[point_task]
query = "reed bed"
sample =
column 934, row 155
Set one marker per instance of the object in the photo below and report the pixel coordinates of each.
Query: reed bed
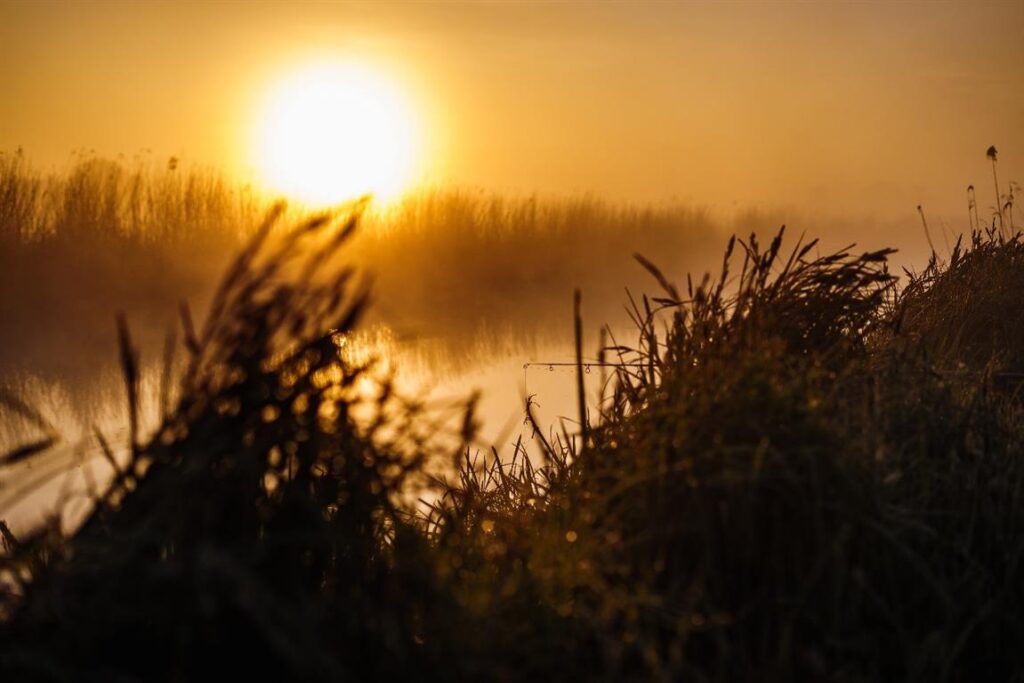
column 450, row 266
column 799, row 471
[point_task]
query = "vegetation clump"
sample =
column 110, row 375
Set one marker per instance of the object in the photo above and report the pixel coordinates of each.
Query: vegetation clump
column 800, row 471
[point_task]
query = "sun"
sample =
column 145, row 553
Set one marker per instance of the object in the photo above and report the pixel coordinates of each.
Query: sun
column 327, row 133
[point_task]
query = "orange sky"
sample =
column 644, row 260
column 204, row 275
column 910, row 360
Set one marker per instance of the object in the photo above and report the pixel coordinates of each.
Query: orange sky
column 861, row 107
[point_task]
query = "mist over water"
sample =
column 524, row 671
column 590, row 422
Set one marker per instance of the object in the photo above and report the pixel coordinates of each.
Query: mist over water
column 472, row 290
column 467, row 288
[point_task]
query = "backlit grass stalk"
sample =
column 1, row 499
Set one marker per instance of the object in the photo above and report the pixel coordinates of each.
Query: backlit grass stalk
column 992, row 154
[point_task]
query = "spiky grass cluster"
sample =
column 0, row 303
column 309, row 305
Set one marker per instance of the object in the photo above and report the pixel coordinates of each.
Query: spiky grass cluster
column 257, row 533
column 783, row 484
column 961, row 313
column 787, row 480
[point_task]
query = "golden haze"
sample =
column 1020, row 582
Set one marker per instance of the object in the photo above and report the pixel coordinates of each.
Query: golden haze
column 855, row 107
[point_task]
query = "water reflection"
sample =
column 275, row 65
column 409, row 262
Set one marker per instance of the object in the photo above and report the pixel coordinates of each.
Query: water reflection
column 503, row 367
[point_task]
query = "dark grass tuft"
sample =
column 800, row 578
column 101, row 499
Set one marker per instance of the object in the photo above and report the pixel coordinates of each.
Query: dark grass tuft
column 800, row 472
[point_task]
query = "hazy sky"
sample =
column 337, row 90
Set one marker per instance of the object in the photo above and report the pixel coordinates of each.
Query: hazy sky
column 863, row 107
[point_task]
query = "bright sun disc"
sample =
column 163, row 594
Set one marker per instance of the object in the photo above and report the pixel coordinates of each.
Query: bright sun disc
column 334, row 132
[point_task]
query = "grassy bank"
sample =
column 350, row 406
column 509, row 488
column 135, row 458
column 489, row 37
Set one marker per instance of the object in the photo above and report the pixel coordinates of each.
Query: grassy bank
column 800, row 471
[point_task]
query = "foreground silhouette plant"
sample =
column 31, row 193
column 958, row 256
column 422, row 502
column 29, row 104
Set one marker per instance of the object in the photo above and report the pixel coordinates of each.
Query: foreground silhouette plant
column 806, row 474
column 782, row 485
column 256, row 533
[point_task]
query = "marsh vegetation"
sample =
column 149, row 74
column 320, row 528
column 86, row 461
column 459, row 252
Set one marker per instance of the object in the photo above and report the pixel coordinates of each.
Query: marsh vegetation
column 800, row 467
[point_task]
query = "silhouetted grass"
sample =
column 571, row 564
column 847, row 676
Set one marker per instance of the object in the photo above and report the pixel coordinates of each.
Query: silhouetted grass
column 799, row 472
column 257, row 512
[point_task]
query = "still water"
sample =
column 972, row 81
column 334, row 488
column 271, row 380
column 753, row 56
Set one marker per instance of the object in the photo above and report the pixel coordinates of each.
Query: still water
column 501, row 369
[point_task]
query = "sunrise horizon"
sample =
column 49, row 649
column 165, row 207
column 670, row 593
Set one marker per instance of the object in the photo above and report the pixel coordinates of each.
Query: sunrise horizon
column 511, row 341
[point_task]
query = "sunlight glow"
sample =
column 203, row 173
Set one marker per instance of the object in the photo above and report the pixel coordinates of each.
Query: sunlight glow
column 331, row 132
